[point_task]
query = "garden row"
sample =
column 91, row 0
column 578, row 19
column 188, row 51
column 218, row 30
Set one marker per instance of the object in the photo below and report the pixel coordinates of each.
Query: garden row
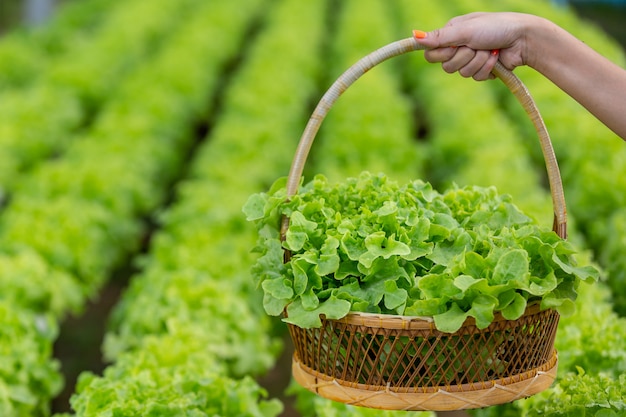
column 25, row 51
column 188, row 336
column 89, row 206
column 56, row 102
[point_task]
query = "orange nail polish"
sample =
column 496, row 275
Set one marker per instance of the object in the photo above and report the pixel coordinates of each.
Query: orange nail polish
column 419, row 34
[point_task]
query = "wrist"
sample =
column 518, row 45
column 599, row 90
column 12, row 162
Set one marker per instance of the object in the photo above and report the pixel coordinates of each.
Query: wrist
column 540, row 40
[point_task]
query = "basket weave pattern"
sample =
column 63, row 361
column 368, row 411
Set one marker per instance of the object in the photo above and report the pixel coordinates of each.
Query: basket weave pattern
column 409, row 355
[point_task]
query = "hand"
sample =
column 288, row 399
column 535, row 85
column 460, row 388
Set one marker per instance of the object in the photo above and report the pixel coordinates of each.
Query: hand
column 471, row 44
column 465, row 44
column 467, row 61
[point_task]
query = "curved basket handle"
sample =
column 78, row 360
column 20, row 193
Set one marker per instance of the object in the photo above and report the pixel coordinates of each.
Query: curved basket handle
column 403, row 46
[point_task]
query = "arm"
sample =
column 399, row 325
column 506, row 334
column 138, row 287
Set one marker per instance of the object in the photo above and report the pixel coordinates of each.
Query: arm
column 471, row 44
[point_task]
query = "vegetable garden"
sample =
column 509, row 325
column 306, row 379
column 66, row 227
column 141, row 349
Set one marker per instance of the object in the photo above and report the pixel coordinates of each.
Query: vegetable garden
column 132, row 134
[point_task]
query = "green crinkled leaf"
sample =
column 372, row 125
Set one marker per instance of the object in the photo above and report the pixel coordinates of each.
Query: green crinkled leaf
column 299, row 231
column 465, row 282
column 513, row 265
column 444, row 221
column 254, row 208
column 274, row 306
column 439, row 286
column 347, row 269
column 329, row 260
column 386, row 269
column 370, row 244
column 506, row 297
column 482, row 310
column 332, row 308
column 394, row 297
column 418, row 235
column 379, row 245
column 587, row 273
column 475, row 265
column 352, row 247
column 446, row 252
column 542, row 285
column 300, row 270
column 430, row 307
column 387, row 215
column 309, row 300
column 372, row 291
column 277, row 294
column 564, row 306
column 278, row 287
column 451, row 320
column 515, row 308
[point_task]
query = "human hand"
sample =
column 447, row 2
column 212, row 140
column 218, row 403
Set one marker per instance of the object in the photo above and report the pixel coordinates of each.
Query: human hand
column 472, row 44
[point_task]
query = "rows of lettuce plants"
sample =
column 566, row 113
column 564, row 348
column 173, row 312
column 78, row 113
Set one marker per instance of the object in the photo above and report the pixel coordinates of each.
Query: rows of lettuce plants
column 40, row 118
column 90, row 217
column 376, row 116
column 24, row 52
column 189, row 333
column 123, row 95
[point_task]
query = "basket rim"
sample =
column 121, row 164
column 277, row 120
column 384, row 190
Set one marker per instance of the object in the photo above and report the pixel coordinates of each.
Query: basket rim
column 394, row 321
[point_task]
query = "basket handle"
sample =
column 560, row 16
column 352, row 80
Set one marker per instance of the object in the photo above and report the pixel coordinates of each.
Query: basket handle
column 513, row 83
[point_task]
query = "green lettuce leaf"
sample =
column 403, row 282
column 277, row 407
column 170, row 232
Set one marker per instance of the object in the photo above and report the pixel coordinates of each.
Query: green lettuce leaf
column 370, row 244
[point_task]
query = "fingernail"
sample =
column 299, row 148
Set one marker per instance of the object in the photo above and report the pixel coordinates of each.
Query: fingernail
column 419, row 34
column 495, row 52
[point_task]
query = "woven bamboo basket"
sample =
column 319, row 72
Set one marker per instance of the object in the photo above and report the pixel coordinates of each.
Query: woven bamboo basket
column 404, row 363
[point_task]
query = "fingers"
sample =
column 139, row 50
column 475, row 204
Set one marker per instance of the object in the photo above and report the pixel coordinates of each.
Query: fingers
column 484, row 72
column 466, row 61
column 440, row 54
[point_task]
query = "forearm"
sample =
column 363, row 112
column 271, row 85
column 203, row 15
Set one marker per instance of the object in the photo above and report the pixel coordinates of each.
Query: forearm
column 594, row 81
column 465, row 43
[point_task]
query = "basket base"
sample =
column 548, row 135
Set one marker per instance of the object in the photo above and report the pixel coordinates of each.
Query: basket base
column 436, row 399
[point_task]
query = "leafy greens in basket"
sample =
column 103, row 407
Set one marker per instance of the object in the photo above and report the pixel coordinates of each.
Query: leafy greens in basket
column 368, row 244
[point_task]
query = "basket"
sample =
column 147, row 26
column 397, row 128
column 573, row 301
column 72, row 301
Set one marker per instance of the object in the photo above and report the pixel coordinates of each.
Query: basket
column 404, row 363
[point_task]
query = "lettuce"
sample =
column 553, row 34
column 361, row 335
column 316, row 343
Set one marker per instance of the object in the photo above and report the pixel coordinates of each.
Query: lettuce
column 575, row 394
column 29, row 379
column 170, row 376
column 369, row 244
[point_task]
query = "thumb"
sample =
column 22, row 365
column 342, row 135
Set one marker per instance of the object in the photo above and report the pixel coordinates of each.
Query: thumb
column 437, row 38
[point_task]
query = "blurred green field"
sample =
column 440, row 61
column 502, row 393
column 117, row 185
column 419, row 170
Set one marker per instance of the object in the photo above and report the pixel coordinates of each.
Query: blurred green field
column 132, row 132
